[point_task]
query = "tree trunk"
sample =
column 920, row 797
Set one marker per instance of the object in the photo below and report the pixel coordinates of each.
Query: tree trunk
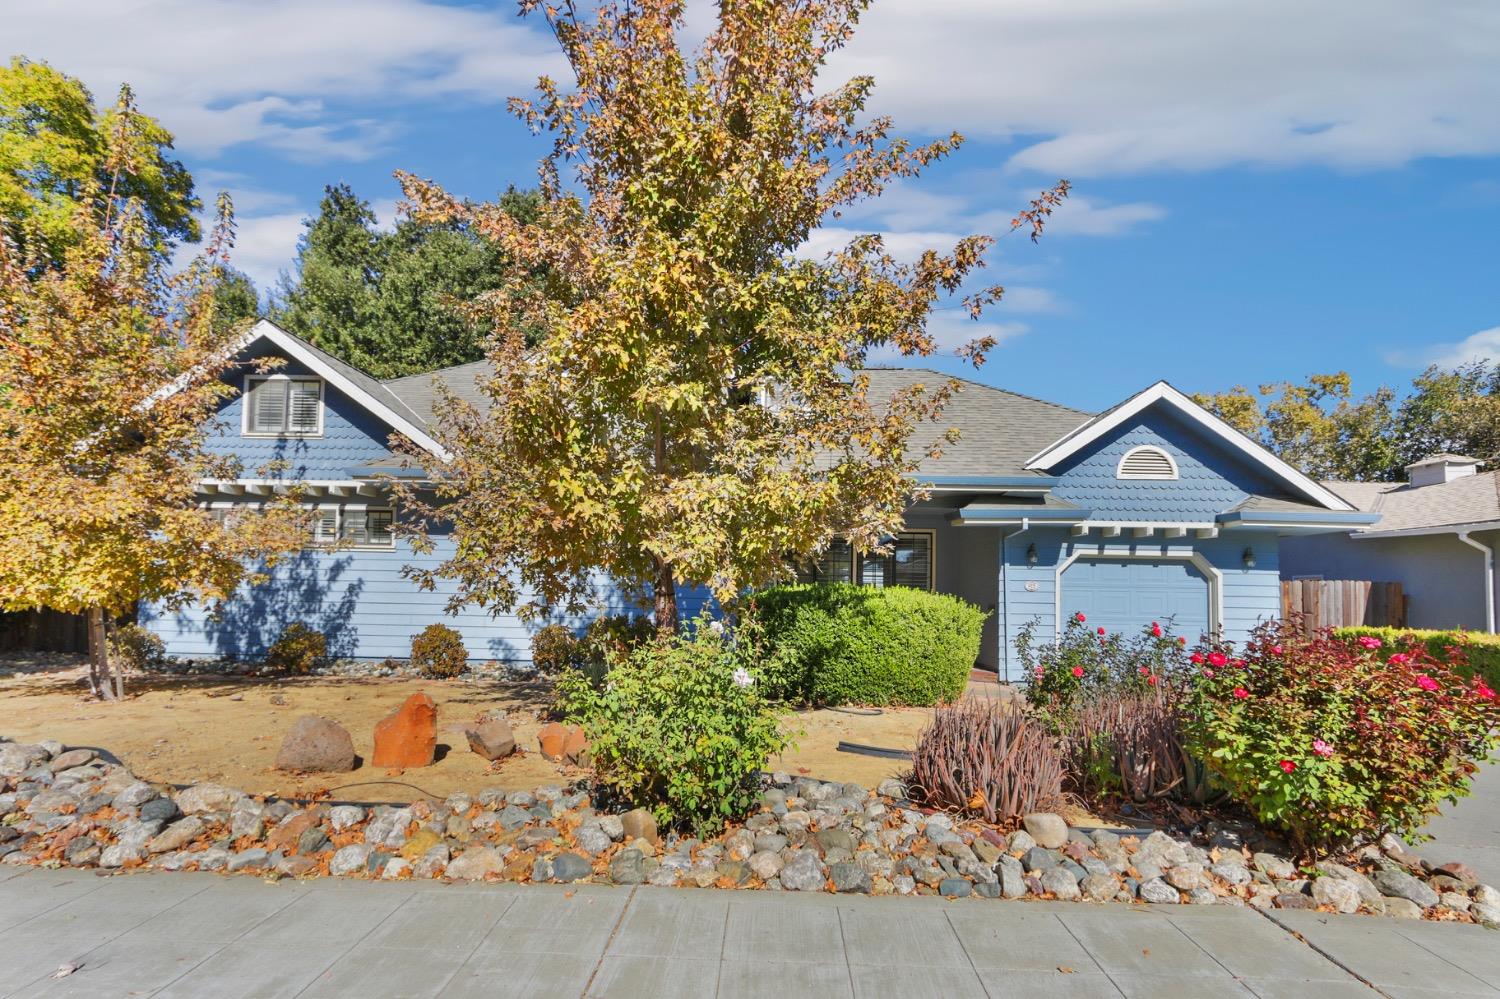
column 665, row 594
column 99, row 681
column 114, row 668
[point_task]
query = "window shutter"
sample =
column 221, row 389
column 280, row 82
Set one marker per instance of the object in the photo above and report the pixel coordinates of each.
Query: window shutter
column 268, row 406
column 1146, row 462
column 326, row 527
column 306, row 401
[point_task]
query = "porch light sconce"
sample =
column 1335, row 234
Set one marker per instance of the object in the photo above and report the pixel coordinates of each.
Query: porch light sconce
column 1031, row 554
column 1248, row 558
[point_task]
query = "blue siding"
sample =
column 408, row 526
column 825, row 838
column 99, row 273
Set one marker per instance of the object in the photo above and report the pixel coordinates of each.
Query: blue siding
column 1210, row 479
column 351, row 436
column 364, row 605
column 1249, row 596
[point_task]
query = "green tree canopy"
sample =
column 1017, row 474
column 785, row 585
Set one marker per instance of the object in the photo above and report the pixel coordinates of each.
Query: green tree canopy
column 58, row 151
column 393, row 303
column 694, row 409
column 1320, row 427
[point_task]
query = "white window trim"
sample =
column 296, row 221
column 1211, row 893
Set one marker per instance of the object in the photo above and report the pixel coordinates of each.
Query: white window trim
column 251, row 380
column 339, row 542
column 1153, row 449
column 1210, row 572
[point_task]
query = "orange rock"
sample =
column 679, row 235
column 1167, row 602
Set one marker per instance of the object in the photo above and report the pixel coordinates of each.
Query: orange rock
column 408, row 736
column 552, row 737
column 576, row 748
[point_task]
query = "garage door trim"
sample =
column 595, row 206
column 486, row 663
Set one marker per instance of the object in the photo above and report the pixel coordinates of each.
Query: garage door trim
column 1213, row 575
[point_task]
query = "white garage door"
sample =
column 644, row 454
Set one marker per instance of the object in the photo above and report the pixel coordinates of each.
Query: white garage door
column 1128, row 594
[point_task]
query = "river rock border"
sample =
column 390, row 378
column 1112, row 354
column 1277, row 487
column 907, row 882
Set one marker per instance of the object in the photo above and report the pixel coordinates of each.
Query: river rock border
column 72, row 807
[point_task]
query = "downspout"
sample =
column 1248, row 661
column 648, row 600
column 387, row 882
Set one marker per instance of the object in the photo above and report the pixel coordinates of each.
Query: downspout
column 1489, row 579
column 1005, row 595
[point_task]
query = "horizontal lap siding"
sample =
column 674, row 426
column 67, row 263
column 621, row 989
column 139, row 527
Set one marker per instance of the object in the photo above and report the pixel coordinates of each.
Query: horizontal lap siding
column 365, row 606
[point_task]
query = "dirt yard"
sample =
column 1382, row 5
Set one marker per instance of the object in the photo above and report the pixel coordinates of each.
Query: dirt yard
column 228, row 730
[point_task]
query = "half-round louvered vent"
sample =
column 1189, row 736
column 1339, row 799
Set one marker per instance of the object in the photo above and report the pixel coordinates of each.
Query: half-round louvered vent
column 1146, row 462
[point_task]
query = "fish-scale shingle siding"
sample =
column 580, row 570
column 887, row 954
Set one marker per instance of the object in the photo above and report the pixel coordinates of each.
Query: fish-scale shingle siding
column 351, row 435
column 1210, row 481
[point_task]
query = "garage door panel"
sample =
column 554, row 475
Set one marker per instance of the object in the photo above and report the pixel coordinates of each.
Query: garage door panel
column 1128, row 594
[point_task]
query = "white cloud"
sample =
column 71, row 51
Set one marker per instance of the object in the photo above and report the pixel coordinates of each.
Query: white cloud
column 265, row 245
column 1481, row 346
column 950, row 329
column 223, row 72
column 1082, row 217
column 1097, row 87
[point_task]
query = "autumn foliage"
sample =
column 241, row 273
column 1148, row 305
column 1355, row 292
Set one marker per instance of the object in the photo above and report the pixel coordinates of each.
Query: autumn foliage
column 695, row 409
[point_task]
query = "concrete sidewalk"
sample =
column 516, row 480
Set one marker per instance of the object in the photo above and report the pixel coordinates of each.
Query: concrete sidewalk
column 201, row 935
column 1470, row 831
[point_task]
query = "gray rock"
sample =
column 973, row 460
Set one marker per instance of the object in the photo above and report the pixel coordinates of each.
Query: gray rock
column 431, row 863
column 1368, row 893
column 1185, row 877
column 1047, row 828
column 1230, row 872
column 1100, row 887
column 1487, row 895
column 388, row 828
column 1277, row 867
column 350, row 860
column 491, row 738
column 955, row 888
column 1342, row 895
column 1402, row 908
column 766, row 864
column 316, row 745
column 1486, row 914
column 474, row 863
column 313, row 840
column 249, row 859
column 638, row 823
column 209, row 798
column 1059, row 881
column 592, row 840
column 612, row 826
column 1159, row 892
column 1012, row 877
column 628, row 867
column 514, row 817
column 177, row 835
column 571, row 867
column 1040, row 859
column 802, row 872
column 1161, row 850
column 133, row 796
column 160, row 810
column 1020, row 842
column 1399, row 884
column 837, row 839
column 891, row 788
column 1202, row 896
column 247, row 819
column 849, row 877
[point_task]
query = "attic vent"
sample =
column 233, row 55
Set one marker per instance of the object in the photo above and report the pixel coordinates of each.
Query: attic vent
column 1146, row 462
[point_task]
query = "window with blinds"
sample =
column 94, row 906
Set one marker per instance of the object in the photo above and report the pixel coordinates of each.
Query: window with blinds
column 277, row 405
column 909, row 563
column 353, row 527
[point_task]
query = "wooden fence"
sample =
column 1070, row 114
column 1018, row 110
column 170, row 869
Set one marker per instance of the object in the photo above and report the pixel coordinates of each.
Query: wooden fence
column 43, row 631
column 1342, row 603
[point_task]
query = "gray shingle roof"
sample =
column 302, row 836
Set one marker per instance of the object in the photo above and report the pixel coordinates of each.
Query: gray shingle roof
column 1473, row 499
column 370, row 385
column 1000, row 429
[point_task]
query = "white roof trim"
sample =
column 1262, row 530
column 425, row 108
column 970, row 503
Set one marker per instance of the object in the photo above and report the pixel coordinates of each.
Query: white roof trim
column 1416, row 532
column 314, row 361
column 1077, row 439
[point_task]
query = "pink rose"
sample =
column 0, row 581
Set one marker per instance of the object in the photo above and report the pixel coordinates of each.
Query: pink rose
column 1322, row 748
column 1398, row 659
column 1482, row 689
column 1426, row 682
column 1240, row 693
column 1208, row 672
column 1078, row 671
column 1275, row 650
column 1370, row 641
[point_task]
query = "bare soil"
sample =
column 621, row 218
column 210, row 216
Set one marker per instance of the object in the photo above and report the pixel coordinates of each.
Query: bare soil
column 183, row 730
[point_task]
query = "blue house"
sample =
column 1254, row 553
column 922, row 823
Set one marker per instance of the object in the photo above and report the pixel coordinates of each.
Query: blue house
column 1152, row 510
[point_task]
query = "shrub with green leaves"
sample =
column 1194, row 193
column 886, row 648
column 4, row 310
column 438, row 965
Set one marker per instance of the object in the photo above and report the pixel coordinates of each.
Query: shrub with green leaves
column 137, row 649
column 438, row 651
column 1472, row 653
column 1334, row 742
column 681, row 727
column 553, row 649
column 299, row 649
column 1087, row 659
column 838, row 643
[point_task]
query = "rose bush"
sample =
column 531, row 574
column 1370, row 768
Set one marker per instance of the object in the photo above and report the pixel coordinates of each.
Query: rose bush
column 1333, row 742
column 1085, row 660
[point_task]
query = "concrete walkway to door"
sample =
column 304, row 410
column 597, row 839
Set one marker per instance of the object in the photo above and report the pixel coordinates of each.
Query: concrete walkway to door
column 202, row 935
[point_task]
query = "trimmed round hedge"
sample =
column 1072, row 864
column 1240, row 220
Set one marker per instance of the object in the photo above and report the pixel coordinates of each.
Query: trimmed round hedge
column 838, row 643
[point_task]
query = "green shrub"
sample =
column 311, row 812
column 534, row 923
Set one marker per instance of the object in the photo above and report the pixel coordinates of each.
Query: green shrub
column 299, row 649
column 989, row 760
column 837, row 643
column 438, row 651
column 553, row 649
column 136, row 649
column 1480, row 651
column 1333, row 741
column 681, row 727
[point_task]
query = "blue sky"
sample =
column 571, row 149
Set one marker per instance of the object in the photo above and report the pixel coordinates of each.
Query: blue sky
column 1260, row 190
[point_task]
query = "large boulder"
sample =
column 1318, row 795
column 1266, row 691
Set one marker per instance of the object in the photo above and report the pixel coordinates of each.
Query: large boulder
column 491, row 737
column 408, row 736
column 316, row 745
column 564, row 744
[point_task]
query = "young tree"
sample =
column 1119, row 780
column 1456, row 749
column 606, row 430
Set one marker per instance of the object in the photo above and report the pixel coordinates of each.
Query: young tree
column 695, row 410
column 392, row 303
column 1457, row 411
column 110, row 370
column 55, row 147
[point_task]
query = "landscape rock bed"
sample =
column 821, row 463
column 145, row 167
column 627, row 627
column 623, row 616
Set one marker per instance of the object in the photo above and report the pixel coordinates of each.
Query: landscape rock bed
column 71, row 807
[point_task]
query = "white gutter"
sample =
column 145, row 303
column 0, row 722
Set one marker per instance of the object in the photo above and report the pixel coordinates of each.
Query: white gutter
column 1489, row 579
column 1417, row 532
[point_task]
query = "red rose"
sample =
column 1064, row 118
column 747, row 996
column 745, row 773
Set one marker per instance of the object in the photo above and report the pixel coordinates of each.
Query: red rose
column 1155, row 630
column 1196, row 658
column 1101, row 629
column 1240, row 693
column 1078, row 671
column 1287, row 765
column 1079, row 617
column 1217, row 659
